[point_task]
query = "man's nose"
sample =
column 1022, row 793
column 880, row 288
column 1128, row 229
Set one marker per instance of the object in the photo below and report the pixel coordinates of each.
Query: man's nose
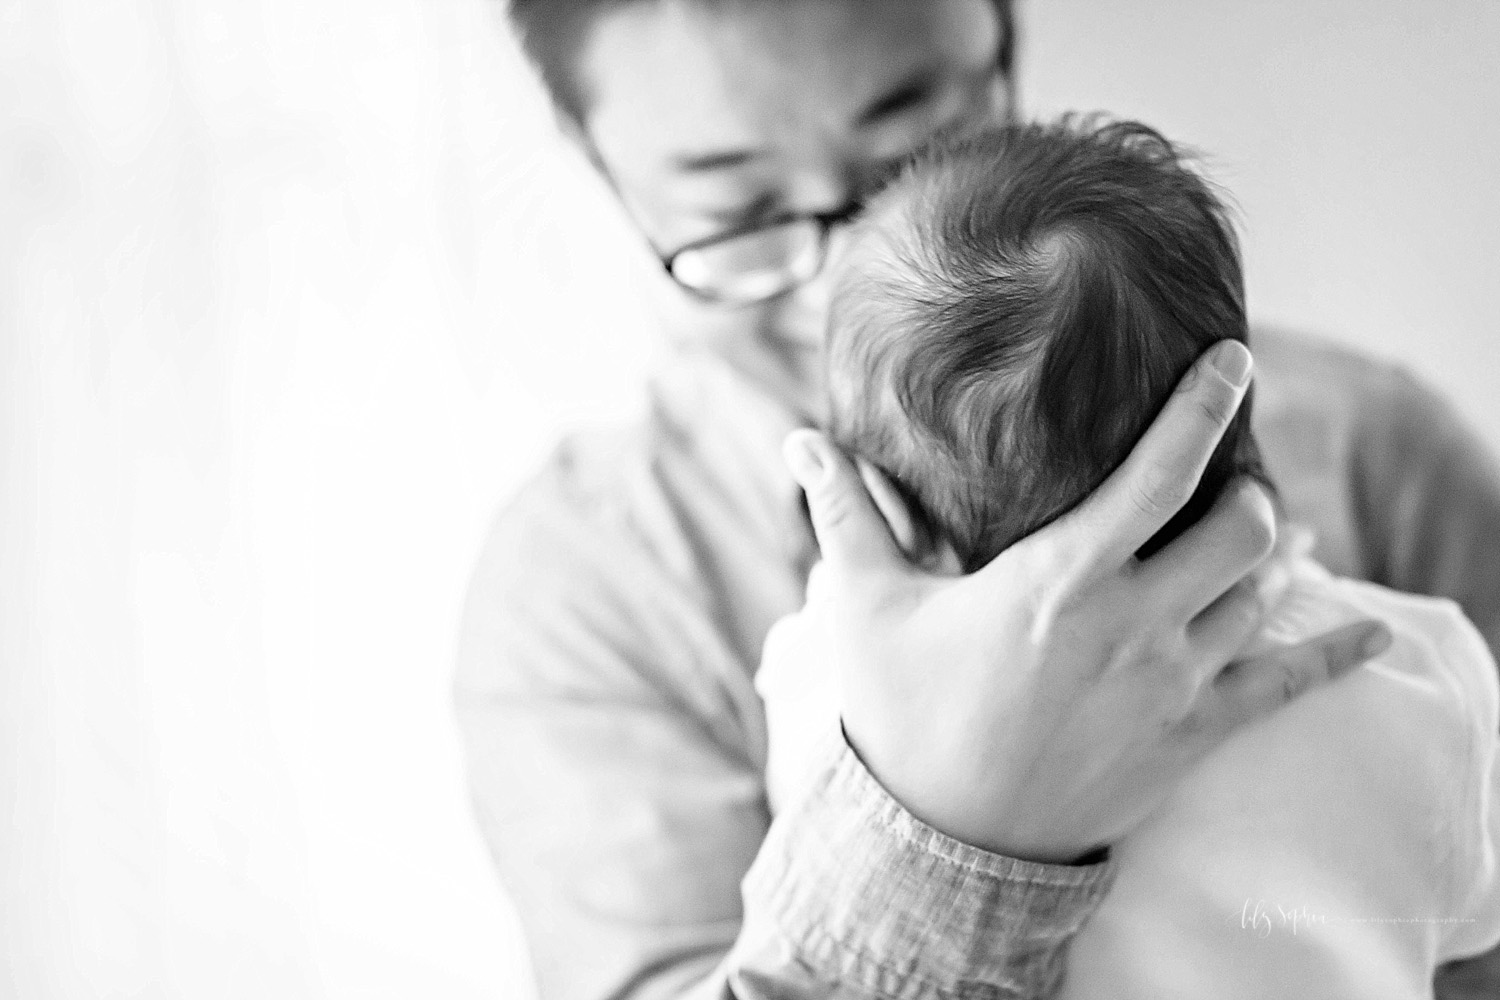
column 832, row 189
column 805, row 314
column 823, row 187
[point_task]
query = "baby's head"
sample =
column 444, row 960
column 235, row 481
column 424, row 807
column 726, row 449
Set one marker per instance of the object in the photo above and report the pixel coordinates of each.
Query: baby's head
column 1015, row 310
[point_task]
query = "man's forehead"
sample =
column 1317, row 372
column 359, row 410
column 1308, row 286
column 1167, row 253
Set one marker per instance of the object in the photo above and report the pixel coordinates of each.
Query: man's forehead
column 672, row 80
column 656, row 84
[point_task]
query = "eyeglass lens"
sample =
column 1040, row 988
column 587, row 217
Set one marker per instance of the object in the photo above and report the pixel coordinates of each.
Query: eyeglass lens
column 754, row 265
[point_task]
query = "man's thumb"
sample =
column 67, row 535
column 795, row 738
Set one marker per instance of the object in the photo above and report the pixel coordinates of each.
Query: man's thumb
column 851, row 533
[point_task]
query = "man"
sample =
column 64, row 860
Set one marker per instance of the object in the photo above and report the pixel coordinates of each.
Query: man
column 615, row 741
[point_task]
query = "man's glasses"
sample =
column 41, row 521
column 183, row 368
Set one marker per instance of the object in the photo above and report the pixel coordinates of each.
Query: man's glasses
column 755, row 263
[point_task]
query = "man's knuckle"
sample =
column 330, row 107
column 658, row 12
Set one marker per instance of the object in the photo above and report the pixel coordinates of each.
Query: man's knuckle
column 1333, row 656
column 1195, row 723
column 1164, row 661
column 1144, row 502
column 1160, row 492
column 1181, row 695
column 1154, row 649
column 1217, row 408
column 1190, row 379
column 1186, row 683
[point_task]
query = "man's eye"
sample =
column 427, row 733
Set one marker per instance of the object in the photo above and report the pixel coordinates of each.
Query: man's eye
column 738, row 215
column 903, row 101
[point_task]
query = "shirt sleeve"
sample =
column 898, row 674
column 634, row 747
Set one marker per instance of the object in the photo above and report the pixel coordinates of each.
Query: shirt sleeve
column 1426, row 497
column 866, row 896
column 624, row 813
column 1475, row 863
column 1474, row 889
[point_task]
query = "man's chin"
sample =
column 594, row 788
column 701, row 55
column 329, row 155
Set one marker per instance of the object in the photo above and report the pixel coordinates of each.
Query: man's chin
column 779, row 347
column 791, row 371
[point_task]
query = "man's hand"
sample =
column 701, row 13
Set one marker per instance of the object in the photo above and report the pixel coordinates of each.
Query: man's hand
column 1042, row 706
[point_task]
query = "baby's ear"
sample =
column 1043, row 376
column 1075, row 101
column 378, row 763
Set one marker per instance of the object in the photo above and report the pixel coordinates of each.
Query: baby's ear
column 892, row 507
column 910, row 530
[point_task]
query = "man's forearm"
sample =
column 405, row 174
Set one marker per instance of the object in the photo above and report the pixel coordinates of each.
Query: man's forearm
column 852, row 896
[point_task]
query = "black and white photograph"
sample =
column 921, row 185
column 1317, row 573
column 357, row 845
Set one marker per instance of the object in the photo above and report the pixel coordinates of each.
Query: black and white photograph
column 749, row 499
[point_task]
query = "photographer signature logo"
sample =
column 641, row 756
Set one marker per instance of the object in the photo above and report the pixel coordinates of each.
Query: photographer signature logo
column 1263, row 918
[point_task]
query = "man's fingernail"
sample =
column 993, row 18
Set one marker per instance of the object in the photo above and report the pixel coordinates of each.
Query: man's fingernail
column 804, row 460
column 1232, row 360
column 1376, row 641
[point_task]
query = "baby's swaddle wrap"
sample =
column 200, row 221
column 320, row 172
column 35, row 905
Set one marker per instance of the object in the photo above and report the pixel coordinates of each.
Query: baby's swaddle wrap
column 1344, row 846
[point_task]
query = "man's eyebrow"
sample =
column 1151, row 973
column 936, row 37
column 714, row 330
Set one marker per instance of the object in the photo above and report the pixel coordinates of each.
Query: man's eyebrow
column 695, row 163
column 911, row 91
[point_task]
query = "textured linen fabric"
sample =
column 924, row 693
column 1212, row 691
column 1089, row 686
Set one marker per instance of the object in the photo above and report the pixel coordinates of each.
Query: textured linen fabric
column 616, row 745
column 1344, row 847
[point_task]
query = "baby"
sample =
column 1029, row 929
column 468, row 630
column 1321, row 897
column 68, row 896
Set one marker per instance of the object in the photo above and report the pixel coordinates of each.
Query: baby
column 1011, row 315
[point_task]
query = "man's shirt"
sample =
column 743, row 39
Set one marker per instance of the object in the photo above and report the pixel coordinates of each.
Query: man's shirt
column 616, row 746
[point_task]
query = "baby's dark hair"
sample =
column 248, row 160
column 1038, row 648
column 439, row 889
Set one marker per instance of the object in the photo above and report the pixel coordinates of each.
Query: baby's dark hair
column 1016, row 309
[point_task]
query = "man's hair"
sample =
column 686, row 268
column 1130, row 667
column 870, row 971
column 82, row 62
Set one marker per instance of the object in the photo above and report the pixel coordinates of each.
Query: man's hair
column 554, row 32
column 1016, row 309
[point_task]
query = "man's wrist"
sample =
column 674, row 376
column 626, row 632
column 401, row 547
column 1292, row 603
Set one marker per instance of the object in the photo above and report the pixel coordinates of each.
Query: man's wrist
column 864, row 890
column 974, row 831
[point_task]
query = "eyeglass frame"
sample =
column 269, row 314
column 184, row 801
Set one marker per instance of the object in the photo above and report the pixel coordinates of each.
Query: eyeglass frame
column 826, row 221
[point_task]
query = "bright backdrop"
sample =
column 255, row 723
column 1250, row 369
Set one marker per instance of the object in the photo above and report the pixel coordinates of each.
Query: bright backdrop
column 293, row 292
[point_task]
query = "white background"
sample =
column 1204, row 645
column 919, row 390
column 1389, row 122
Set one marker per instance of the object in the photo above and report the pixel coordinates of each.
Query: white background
column 292, row 292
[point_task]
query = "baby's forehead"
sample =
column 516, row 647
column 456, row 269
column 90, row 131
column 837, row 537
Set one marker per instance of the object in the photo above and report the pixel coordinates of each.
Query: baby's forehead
column 895, row 209
column 881, row 279
column 882, row 240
